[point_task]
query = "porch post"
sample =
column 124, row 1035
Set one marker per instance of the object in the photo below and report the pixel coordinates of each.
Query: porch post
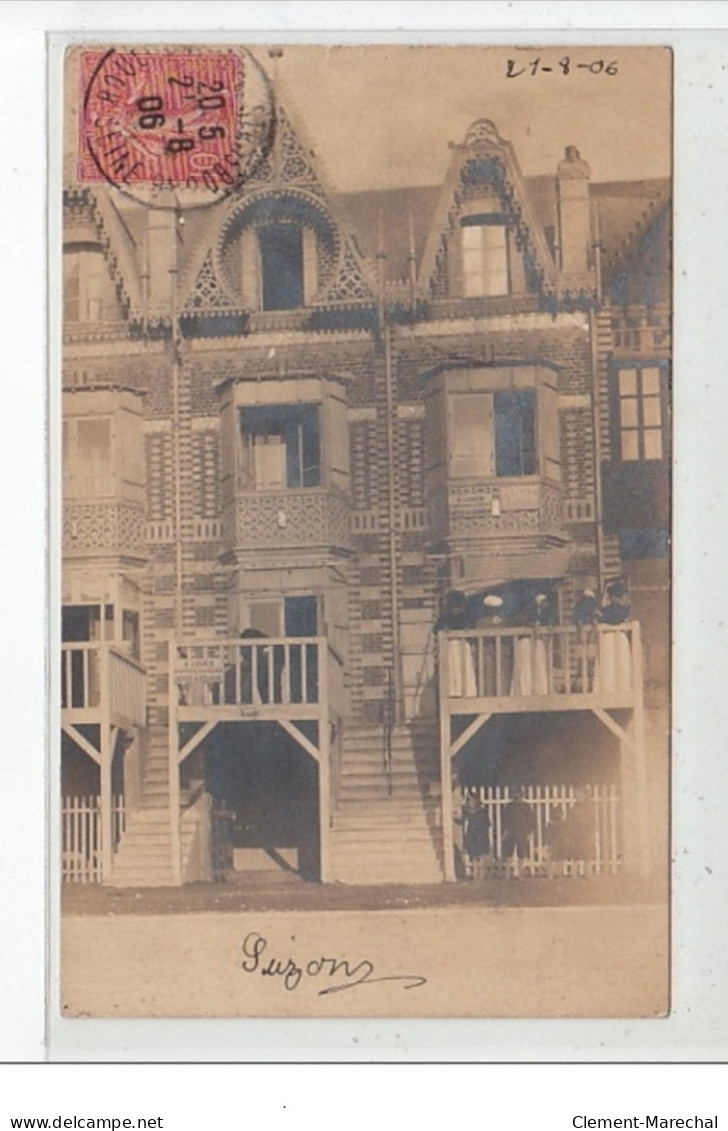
column 640, row 756
column 173, row 750
column 445, row 759
column 106, row 753
column 324, row 775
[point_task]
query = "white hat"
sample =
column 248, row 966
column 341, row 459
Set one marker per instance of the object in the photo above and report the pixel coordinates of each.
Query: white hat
column 492, row 601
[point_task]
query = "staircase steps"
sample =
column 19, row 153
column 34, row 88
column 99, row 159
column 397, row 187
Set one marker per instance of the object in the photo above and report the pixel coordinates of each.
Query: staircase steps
column 386, row 826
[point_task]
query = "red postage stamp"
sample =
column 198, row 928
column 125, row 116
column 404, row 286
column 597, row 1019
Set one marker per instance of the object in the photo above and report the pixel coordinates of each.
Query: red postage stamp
column 163, row 118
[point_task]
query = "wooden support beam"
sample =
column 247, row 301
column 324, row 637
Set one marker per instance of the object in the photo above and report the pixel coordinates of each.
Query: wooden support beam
column 468, row 733
column 82, row 741
column 324, row 765
column 638, row 724
column 622, row 734
column 448, row 846
column 291, row 728
column 198, row 737
column 107, row 752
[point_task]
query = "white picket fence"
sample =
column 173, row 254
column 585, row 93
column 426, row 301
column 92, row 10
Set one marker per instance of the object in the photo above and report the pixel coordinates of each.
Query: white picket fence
column 546, row 801
column 81, row 837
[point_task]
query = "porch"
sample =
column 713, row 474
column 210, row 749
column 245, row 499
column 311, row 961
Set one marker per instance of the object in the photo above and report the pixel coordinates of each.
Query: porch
column 294, row 682
column 498, row 670
column 103, row 711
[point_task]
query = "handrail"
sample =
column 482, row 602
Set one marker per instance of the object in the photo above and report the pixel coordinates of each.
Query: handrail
column 248, row 671
column 93, row 671
column 388, row 719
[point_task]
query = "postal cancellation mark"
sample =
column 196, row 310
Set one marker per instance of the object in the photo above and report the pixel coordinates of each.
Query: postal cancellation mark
column 171, row 119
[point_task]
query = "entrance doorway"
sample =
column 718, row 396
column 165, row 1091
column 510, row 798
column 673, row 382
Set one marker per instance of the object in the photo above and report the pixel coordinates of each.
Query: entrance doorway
column 264, row 790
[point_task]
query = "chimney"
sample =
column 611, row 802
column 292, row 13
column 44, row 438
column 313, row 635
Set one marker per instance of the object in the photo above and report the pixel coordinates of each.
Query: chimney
column 572, row 180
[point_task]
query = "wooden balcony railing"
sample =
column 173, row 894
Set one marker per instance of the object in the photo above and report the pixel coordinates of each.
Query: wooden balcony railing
column 96, row 673
column 540, row 663
column 270, row 671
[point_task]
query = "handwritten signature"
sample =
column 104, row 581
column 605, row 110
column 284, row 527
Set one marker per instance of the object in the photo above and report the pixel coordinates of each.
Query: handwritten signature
column 293, row 973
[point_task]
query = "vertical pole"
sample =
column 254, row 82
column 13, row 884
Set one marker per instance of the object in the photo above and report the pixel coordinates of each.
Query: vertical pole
column 445, row 760
column 106, row 753
column 324, row 774
column 173, row 753
column 640, row 754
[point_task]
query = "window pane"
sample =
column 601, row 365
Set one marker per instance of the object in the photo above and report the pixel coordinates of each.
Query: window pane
column 285, row 443
column 651, row 412
column 630, row 445
column 627, row 383
column 281, row 254
column 650, row 382
column 515, row 432
column 495, row 260
column 628, row 412
column 310, row 449
column 653, row 443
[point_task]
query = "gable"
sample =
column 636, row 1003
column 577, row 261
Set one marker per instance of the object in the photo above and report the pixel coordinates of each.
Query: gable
column 224, row 271
column 484, row 170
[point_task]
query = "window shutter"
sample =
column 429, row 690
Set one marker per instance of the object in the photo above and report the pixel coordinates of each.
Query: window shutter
column 250, row 269
column 456, row 280
column 335, row 442
column 470, row 420
column 549, row 434
column 310, row 266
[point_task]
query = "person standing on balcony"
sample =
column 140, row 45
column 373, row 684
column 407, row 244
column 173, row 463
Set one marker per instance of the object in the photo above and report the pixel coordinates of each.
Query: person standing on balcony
column 518, row 824
column 530, row 660
column 456, row 617
column 586, row 615
column 614, row 667
column 492, row 657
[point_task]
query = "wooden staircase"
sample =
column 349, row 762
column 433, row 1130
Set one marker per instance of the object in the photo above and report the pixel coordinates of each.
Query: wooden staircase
column 144, row 854
column 387, row 825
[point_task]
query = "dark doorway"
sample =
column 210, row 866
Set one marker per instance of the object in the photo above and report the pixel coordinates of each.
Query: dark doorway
column 265, row 787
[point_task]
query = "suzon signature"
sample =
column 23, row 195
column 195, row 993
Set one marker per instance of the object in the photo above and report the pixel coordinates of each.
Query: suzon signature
column 293, row 973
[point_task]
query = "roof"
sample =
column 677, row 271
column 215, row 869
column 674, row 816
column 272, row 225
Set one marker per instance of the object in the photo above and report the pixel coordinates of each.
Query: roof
column 389, row 220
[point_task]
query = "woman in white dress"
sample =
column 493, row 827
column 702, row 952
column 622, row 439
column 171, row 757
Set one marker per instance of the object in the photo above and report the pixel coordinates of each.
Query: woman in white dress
column 614, row 665
column 454, row 618
column 530, row 661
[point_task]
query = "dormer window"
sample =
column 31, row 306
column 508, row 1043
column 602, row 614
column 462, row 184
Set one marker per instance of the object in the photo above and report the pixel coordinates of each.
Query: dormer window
column 281, row 266
column 88, row 292
column 484, row 250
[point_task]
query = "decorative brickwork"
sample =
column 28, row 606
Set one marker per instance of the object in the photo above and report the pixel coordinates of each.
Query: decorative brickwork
column 103, row 528
column 287, row 519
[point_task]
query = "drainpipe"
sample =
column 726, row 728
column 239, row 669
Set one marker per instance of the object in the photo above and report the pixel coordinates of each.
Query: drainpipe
column 176, row 446
column 391, row 484
column 596, row 415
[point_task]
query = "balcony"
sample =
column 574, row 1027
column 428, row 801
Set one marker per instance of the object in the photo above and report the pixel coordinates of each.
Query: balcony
column 503, row 507
column 99, row 682
column 561, row 668
column 271, row 678
column 266, row 520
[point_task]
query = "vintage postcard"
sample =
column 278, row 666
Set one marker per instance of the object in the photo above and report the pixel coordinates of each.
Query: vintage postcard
column 365, row 658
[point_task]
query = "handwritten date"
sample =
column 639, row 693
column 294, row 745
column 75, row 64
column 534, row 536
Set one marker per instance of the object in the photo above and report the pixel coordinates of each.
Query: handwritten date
column 563, row 66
